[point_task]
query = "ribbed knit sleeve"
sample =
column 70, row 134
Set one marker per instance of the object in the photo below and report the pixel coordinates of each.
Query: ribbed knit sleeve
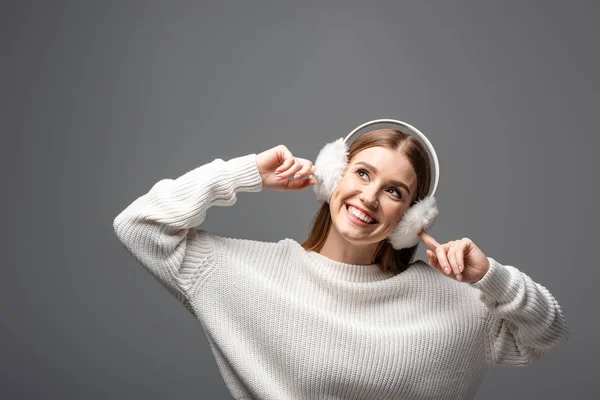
column 527, row 321
column 156, row 227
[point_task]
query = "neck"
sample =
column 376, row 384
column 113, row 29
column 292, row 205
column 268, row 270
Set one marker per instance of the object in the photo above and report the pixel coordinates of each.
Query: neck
column 339, row 249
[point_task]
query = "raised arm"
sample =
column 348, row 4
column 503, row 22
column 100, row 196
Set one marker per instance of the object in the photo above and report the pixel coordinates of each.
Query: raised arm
column 156, row 227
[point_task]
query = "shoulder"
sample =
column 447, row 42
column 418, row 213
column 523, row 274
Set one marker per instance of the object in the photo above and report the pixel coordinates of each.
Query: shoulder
column 242, row 248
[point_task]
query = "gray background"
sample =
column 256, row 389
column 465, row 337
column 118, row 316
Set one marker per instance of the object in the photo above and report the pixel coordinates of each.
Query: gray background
column 100, row 100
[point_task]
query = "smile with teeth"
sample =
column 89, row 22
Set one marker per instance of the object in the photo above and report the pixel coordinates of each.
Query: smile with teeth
column 360, row 215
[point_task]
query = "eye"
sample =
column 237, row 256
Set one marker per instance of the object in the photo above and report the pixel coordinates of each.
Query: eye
column 397, row 191
column 363, row 171
column 359, row 171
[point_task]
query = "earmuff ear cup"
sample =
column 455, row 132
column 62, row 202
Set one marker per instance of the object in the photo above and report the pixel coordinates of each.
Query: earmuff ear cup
column 419, row 216
column 331, row 164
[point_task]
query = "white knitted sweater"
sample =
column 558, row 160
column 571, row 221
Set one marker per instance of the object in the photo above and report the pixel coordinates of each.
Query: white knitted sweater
column 284, row 323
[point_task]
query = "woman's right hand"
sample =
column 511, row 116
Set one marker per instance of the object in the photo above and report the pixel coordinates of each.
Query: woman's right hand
column 279, row 162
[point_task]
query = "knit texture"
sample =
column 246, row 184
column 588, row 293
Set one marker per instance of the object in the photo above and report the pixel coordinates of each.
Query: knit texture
column 285, row 323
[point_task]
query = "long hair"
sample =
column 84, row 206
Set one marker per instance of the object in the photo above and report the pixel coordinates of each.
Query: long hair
column 386, row 257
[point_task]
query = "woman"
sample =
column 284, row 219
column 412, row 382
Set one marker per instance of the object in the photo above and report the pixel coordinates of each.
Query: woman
column 343, row 315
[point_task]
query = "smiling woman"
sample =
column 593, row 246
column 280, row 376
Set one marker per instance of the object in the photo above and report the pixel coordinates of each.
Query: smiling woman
column 347, row 314
column 381, row 182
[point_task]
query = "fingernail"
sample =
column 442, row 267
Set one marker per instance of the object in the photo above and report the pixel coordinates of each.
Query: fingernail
column 459, row 277
column 298, row 175
column 447, row 270
column 278, row 178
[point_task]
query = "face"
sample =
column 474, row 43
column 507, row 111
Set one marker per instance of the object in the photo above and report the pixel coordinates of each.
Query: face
column 380, row 183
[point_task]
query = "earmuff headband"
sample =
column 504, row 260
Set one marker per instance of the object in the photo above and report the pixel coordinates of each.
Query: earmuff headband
column 412, row 129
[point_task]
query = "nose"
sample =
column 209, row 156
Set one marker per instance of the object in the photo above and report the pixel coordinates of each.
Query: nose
column 369, row 197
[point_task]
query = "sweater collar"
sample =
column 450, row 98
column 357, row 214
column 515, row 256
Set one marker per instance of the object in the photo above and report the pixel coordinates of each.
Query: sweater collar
column 348, row 272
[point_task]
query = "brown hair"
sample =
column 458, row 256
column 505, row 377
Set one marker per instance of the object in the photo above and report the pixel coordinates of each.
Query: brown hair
column 388, row 258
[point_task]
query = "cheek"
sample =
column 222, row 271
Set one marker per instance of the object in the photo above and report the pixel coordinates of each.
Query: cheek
column 333, row 198
column 338, row 192
column 334, row 201
column 339, row 195
column 395, row 214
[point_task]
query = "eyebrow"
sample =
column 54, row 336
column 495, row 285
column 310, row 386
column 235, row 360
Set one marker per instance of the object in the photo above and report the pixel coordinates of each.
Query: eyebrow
column 372, row 168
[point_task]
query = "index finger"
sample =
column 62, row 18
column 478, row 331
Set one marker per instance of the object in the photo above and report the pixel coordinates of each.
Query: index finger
column 428, row 240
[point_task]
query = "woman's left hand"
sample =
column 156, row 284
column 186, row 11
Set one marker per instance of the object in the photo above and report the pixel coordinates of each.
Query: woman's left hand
column 460, row 259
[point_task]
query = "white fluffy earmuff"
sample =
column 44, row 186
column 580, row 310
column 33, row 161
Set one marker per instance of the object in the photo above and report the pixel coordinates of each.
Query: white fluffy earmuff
column 332, row 162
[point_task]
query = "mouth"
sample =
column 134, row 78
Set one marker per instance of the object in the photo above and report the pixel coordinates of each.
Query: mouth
column 362, row 220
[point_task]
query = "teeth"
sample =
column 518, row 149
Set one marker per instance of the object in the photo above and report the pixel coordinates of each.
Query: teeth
column 358, row 214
